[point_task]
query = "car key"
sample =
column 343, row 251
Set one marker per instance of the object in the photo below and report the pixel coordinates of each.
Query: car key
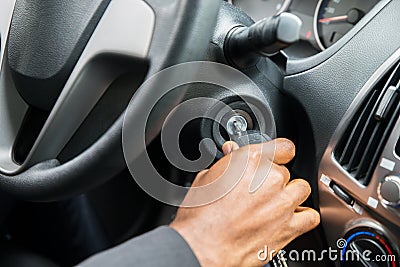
column 237, row 130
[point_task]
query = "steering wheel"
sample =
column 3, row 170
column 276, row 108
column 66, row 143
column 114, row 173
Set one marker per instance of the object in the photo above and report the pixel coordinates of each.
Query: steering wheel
column 76, row 50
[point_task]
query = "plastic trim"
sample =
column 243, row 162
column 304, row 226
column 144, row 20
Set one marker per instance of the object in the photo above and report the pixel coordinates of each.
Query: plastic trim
column 126, row 28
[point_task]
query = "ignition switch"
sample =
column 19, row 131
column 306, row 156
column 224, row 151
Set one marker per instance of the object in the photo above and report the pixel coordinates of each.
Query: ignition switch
column 237, row 130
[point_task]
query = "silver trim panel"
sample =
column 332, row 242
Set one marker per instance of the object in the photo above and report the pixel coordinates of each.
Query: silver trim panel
column 331, row 168
column 126, row 28
column 6, row 11
column 12, row 107
column 330, row 205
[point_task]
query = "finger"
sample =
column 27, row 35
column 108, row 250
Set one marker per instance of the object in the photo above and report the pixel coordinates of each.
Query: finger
column 201, row 174
column 305, row 220
column 264, row 178
column 285, row 174
column 298, row 190
column 199, row 180
column 300, row 209
column 285, row 151
column 280, row 151
column 229, row 147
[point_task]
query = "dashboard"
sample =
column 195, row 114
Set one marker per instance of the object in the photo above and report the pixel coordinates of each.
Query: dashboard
column 356, row 61
column 324, row 21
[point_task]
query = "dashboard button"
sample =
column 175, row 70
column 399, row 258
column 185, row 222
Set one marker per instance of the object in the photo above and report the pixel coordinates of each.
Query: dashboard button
column 342, row 194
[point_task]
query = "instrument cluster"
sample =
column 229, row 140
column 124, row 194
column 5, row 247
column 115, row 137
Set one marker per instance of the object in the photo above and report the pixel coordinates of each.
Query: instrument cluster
column 324, row 21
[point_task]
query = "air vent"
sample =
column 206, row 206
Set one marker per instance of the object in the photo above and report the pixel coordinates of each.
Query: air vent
column 362, row 143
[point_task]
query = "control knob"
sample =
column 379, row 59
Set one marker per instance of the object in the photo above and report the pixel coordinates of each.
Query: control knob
column 389, row 191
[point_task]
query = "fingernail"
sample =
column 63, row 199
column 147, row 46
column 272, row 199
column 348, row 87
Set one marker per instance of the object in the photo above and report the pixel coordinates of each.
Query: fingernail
column 227, row 149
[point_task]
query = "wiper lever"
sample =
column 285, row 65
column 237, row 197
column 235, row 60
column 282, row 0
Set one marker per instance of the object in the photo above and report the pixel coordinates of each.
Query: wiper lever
column 245, row 45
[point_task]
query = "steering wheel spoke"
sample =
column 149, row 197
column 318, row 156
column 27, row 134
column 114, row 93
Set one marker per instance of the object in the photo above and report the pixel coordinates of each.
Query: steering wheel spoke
column 122, row 36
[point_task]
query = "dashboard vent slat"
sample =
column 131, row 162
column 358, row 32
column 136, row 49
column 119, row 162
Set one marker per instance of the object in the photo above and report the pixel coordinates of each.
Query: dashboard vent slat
column 385, row 136
column 356, row 131
column 363, row 141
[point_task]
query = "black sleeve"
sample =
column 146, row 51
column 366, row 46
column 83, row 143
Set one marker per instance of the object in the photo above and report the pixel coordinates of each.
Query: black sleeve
column 160, row 247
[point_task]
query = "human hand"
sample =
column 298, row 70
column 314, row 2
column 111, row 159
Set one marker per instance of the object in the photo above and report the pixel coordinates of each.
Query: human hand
column 231, row 230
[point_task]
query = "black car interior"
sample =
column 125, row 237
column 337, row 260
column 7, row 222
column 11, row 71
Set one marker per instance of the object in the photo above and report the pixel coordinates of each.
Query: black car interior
column 328, row 70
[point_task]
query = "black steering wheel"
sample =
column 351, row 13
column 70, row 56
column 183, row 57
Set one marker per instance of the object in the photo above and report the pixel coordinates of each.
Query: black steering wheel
column 57, row 60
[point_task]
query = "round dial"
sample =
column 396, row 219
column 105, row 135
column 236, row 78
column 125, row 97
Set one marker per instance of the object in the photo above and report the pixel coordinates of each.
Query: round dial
column 259, row 9
column 389, row 191
column 334, row 18
column 364, row 246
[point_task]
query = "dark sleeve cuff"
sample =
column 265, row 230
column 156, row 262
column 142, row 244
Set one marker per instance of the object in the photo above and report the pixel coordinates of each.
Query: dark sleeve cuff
column 160, row 247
